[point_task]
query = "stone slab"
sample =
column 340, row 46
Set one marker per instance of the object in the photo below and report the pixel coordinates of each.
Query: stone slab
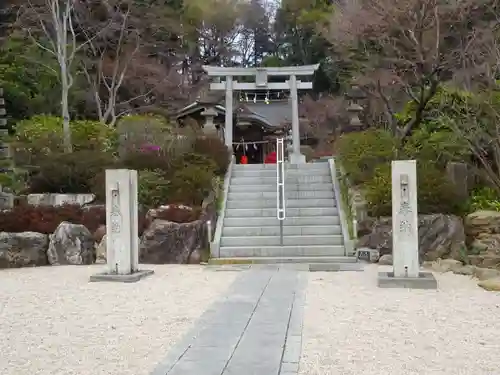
column 249, row 331
column 336, row 267
column 132, row 278
column 426, row 280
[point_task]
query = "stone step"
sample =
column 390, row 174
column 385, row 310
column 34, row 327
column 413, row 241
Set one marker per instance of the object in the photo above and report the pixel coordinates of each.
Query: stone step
column 290, row 221
column 293, row 173
column 281, row 251
column 306, row 166
column 272, row 187
column 289, row 180
column 289, row 203
column 270, row 212
column 288, row 230
column 301, row 240
column 319, row 194
column 348, row 262
column 336, row 267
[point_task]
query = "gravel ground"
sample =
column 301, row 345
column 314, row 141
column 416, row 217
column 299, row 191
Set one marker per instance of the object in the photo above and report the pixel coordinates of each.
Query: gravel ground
column 353, row 327
column 54, row 322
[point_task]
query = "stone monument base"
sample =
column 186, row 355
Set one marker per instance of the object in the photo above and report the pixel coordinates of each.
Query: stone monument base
column 297, row 158
column 425, row 280
column 130, row 278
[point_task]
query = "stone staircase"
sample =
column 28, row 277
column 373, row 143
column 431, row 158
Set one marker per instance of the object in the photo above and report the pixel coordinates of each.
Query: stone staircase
column 312, row 230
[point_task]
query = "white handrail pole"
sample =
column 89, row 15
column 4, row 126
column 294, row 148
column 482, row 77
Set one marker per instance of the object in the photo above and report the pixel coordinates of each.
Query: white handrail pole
column 280, row 184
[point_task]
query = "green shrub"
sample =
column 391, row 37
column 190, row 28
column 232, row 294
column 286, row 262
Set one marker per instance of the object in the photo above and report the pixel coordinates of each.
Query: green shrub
column 485, row 198
column 214, row 148
column 72, row 173
column 153, row 189
column 42, row 134
column 136, row 130
column 13, row 181
column 190, row 185
column 361, row 152
column 148, row 160
column 440, row 147
column 198, row 160
column 435, row 192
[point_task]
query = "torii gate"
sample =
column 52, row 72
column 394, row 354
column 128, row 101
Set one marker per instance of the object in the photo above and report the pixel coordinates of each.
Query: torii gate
column 261, row 83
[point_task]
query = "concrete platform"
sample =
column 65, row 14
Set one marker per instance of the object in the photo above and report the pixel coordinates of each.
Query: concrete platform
column 132, row 278
column 426, row 280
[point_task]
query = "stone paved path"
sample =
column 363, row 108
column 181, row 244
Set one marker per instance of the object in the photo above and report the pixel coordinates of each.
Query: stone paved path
column 255, row 330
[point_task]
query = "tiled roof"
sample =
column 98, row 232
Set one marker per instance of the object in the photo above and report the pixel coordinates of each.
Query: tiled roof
column 276, row 113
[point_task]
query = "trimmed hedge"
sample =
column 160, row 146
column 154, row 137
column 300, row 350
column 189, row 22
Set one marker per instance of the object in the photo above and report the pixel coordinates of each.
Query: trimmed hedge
column 366, row 157
column 361, row 152
column 435, row 192
column 45, row 219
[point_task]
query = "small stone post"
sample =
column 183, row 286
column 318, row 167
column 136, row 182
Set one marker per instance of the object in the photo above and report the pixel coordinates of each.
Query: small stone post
column 458, row 174
column 4, row 148
column 122, row 242
column 406, row 270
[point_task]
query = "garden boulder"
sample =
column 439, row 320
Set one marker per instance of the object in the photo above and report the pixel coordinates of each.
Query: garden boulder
column 482, row 222
column 71, row 244
column 23, row 249
column 169, row 242
column 482, row 229
column 101, row 251
column 440, row 236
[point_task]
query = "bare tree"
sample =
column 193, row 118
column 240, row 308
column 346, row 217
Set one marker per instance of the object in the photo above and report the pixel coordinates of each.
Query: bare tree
column 325, row 118
column 402, row 46
column 49, row 24
column 107, row 65
column 126, row 65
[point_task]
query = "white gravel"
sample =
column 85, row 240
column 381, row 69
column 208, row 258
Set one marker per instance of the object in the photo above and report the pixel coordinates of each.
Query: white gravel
column 54, row 322
column 353, row 327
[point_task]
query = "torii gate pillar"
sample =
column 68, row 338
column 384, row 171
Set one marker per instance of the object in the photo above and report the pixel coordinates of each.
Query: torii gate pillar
column 261, row 83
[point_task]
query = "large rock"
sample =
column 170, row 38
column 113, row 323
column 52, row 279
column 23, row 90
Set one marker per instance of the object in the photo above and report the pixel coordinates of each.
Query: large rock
column 491, row 285
column 71, row 244
column 483, row 236
column 485, row 273
column 23, row 249
column 386, row 260
column 168, row 242
column 444, row 265
column 101, row 251
column 482, row 222
column 440, row 236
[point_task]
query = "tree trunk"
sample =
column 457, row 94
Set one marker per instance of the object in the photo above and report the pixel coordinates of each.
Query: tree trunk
column 68, row 147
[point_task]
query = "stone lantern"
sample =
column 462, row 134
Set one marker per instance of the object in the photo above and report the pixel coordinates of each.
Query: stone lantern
column 209, row 126
column 355, row 96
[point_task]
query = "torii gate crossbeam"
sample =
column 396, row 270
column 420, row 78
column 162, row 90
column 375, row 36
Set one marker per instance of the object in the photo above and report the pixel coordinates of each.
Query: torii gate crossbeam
column 261, row 83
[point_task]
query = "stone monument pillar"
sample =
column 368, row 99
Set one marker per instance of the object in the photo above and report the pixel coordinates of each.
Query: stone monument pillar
column 122, row 241
column 406, row 267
